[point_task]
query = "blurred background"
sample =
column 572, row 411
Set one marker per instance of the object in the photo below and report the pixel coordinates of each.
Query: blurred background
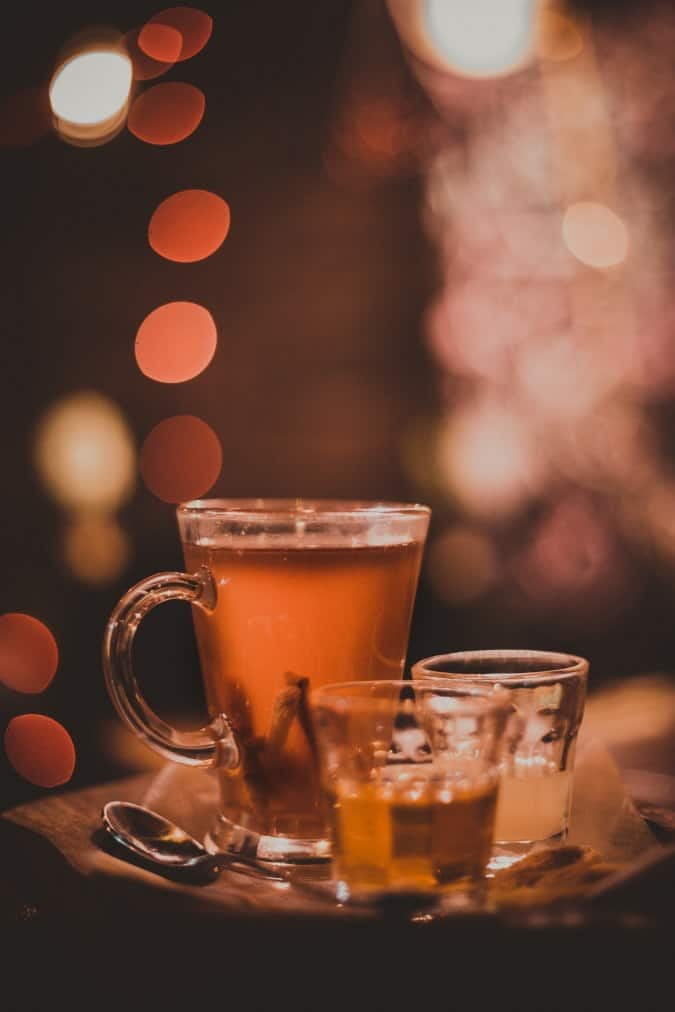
column 434, row 263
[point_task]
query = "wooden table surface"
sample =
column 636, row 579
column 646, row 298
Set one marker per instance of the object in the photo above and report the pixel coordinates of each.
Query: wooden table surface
column 68, row 903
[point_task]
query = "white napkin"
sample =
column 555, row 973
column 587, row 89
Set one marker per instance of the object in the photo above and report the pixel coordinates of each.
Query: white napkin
column 603, row 815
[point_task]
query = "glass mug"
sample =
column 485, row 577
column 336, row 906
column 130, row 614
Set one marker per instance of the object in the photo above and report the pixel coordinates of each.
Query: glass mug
column 287, row 595
column 548, row 692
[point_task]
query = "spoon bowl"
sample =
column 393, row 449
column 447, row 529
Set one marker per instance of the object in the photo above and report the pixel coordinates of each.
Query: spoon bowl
column 168, row 848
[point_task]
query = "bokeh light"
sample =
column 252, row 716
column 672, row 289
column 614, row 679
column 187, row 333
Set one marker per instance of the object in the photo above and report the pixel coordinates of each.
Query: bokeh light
column 95, row 549
column 160, row 42
column 594, row 234
column 494, row 216
column 483, row 38
column 573, row 563
column 84, row 453
column 25, row 117
column 89, row 95
column 167, row 113
column 612, row 449
column 181, row 459
column 475, row 327
column 488, row 460
column 558, row 36
column 176, row 342
column 189, row 226
column 193, row 25
column 563, row 377
column 461, row 565
column 29, row 655
column 551, row 323
column 91, row 87
column 571, row 547
column 656, row 516
column 40, row 749
column 374, row 137
column 144, row 68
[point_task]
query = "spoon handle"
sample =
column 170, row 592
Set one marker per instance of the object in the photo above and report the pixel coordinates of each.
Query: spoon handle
column 205, row 869
column 245, row 866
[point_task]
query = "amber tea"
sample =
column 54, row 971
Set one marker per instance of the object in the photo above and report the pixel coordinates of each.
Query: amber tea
column 411, row 829
column 286, row 619
column 410, row 777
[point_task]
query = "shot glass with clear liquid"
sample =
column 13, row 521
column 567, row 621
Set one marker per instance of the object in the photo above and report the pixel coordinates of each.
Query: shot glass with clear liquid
column 548, row 692
column 410, row 778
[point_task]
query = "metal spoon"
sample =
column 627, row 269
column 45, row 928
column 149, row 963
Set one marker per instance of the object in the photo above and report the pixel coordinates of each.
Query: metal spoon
column 169, row 848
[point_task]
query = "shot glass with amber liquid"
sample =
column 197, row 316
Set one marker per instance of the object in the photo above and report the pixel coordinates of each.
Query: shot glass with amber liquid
column 410, row 777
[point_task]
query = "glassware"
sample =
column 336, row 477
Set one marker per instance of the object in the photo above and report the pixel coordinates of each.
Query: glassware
column 410, row 777
column 548, row 692
column 287, row 595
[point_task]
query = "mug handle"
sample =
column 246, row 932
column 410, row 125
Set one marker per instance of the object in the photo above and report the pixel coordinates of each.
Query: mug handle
column 213, row 745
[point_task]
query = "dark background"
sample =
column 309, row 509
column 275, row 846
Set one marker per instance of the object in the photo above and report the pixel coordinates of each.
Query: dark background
column 318, row 294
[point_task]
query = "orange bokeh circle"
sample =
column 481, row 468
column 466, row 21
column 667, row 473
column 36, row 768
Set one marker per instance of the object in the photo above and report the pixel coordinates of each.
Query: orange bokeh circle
column 194, row 27
column 189, row 225
column 160, row 42
column 29, row 655
column 144, row 67
column 181, row 459
column 176, row 342
column 40, row 749
column 167, row 113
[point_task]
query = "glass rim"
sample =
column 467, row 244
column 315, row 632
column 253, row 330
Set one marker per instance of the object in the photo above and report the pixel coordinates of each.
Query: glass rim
column 473, row 698
column 560, row 666
column 280, row 508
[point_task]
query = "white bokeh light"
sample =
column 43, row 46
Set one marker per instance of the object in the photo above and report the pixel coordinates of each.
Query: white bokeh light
column 594, row 234
column 481, row 38
column 488, row 459
column 89, row 95
column 84, row 453
column 95, row 548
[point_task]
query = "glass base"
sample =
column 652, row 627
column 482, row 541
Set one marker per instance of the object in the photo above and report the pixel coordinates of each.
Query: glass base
column 225, row 836
column 467, row 899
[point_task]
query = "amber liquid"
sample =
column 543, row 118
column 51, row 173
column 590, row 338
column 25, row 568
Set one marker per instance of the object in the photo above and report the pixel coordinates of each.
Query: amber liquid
column 288, row 619
column 406, row 830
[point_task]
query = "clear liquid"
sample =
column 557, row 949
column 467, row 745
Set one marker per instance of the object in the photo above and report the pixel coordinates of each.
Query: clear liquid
column 533, row 803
